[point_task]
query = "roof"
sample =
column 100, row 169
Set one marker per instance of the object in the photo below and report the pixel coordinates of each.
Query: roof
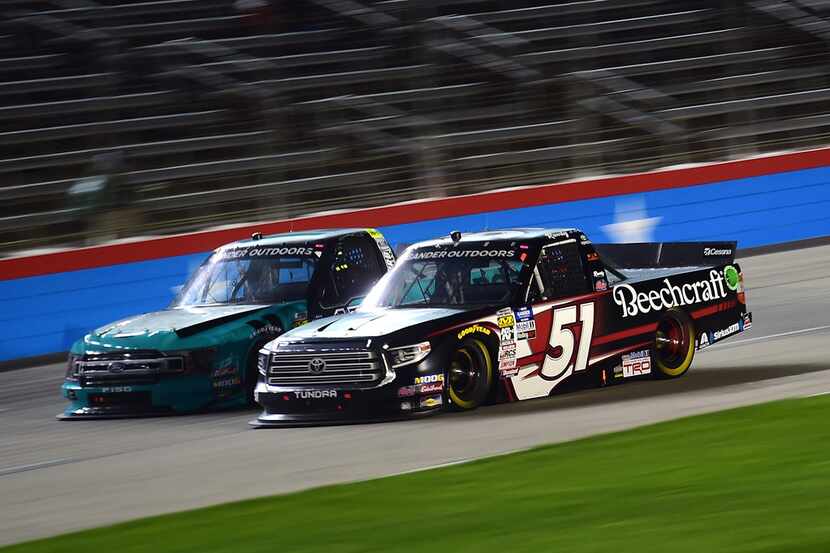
column 299, row 237
column 516, row 234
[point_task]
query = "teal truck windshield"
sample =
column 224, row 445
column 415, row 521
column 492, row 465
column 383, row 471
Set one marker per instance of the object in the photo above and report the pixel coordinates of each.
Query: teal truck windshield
column 463, row 281
column 253, row 275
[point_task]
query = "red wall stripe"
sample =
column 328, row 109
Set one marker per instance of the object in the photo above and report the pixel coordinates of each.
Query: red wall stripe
column 99, row 256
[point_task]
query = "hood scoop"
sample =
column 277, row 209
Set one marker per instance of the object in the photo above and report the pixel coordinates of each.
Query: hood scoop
column 357, row 324
column 210, row 323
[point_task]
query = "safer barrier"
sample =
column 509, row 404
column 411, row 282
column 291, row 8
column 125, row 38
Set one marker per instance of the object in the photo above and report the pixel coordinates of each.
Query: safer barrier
column 50, row 300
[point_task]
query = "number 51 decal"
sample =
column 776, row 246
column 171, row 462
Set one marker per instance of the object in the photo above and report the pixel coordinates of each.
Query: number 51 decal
column 564, row 354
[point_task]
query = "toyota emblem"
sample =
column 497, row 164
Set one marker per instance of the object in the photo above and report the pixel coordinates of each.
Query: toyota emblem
column 116, row 367
column 317, row 365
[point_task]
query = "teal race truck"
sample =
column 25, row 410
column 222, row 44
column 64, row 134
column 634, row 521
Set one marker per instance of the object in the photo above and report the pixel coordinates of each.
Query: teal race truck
column 201, row 352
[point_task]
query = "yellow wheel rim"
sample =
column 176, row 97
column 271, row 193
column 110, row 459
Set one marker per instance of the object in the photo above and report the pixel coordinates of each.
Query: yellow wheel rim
column 487, row 371
column 688, row 354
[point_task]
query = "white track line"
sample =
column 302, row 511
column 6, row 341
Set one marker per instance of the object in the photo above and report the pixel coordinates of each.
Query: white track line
column 779, row 335
column 819, row 394
column 24, row 468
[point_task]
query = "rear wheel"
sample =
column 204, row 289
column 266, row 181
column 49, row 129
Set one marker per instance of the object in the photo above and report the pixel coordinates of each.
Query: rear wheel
column 674, row 344
column 470, row 375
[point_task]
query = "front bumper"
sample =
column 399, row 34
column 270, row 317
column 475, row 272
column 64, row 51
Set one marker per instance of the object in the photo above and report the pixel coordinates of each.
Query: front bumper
column 169, row 396
column 297, row 407
column 292, row 393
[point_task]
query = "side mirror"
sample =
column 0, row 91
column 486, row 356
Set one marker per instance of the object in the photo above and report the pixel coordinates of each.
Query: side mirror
column 354, row 303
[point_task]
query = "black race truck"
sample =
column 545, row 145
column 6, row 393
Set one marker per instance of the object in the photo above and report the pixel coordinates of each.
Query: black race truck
column 505, row 316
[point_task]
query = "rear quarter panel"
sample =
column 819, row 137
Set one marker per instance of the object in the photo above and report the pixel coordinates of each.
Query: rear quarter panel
column 578, row 335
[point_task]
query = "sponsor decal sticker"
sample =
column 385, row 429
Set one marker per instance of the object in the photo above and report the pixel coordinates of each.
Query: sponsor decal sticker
column 601, row 285
column 406, row 406
column 507, row 342
column 224, row 371
column 636, row 363
column 734, row 328
column 431, row 388
column 429, row 379
column 236, row 253
column 475, row 328
column 508, row 368
column 441, row 254
column 730, row 274
column 267, row 330
column 432, row 401
column 747, row 320
column 226, row 383
column 421, row 389
column 506, row 321
column 507, row 351
column 525, row 330
column 524, row 313
column 634, row 303
column 703, row 341
column 383, row 245
column 715, row 251
column 316, row 394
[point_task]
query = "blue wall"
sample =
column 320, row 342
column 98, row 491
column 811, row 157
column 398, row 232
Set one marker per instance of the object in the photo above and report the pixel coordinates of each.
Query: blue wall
column 45, row 314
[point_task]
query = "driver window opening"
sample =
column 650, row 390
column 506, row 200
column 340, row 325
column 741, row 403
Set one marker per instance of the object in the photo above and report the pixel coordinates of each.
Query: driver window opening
column 560, row 273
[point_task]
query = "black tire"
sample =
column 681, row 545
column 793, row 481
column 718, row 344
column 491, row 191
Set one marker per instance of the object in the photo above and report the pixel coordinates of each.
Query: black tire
column 674, row 345
column 470, row 375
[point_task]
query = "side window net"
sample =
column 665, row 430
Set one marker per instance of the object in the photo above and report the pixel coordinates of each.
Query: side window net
column 561, row 272
column 355, row 267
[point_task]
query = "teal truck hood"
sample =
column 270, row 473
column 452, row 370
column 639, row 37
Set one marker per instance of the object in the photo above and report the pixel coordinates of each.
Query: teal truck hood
column 185, row 327
column 183, row 321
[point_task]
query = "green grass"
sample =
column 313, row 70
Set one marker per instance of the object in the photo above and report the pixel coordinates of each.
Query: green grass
column 753, row 479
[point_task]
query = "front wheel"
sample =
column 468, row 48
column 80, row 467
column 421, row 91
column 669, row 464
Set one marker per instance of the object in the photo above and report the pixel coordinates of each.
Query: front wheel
column 470, row 375
column 674, row 344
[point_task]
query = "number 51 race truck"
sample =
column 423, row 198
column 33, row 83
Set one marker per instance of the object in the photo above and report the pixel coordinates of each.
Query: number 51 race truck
column 505, row 316
column 201, row 352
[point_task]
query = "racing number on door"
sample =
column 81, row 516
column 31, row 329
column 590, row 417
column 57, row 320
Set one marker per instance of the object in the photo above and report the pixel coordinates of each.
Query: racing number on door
column 563, row 342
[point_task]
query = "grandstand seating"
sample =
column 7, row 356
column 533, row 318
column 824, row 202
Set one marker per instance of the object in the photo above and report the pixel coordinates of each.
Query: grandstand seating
column 208, row 114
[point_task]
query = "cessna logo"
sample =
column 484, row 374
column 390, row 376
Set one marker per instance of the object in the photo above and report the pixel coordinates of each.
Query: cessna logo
column 316, row 394
column 317, row 365
column 715, row 251
column 670, row 295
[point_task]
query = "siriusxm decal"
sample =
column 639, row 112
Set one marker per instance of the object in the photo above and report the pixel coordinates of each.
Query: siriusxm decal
column 634, row 303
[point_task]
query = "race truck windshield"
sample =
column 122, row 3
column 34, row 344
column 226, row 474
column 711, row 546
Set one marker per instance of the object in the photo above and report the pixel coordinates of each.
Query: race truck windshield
column 440, row 277
column 251, row 275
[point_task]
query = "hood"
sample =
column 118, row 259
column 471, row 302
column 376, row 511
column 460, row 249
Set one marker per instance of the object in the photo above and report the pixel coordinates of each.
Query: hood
column 369, row 324
column 184, row 321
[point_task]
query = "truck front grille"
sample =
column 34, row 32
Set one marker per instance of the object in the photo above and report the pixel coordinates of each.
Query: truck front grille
column 125, row 369
column 359, row 368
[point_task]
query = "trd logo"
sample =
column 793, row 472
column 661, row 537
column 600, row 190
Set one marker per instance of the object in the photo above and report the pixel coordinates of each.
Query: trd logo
column 316, row 394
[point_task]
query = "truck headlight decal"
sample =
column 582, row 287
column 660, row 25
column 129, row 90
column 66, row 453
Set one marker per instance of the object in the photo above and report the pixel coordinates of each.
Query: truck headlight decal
column 406, row 355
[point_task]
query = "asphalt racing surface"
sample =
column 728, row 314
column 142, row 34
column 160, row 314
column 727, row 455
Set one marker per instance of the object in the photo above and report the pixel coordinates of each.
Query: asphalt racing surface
column 59, row 476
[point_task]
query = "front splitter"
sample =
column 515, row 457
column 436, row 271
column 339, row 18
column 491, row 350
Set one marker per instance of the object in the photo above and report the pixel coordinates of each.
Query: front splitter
column 325, row 419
